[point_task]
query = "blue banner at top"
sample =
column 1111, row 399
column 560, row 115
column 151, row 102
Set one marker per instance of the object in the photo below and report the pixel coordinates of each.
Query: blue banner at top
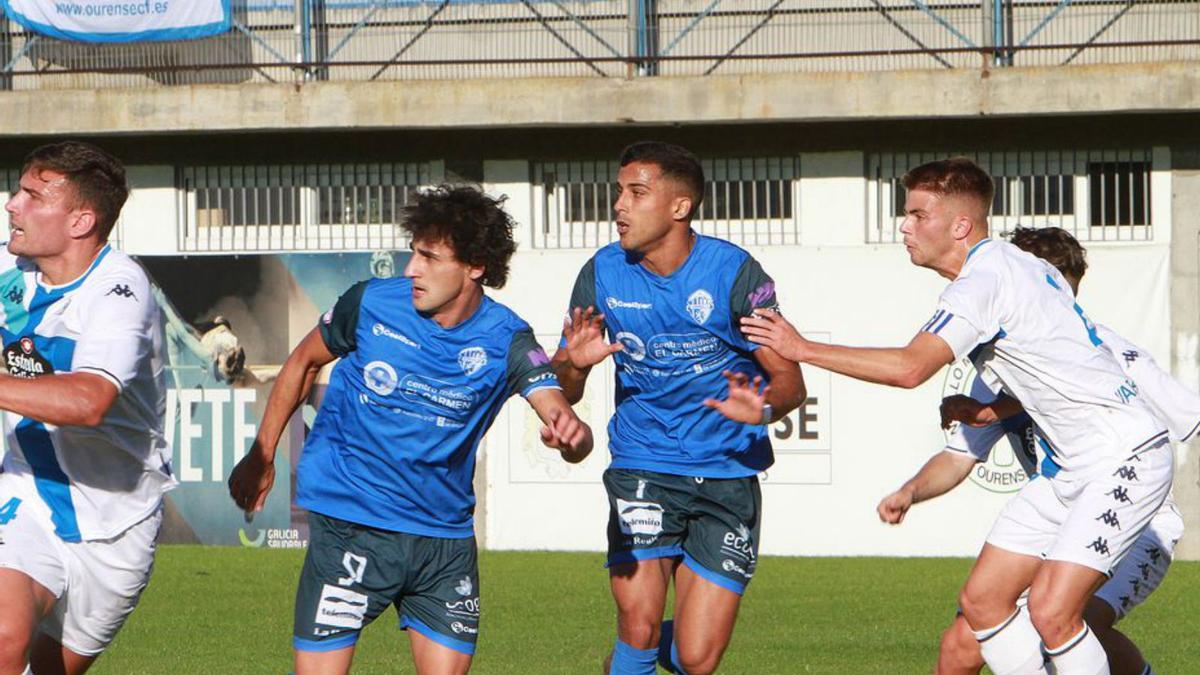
column 122, row 20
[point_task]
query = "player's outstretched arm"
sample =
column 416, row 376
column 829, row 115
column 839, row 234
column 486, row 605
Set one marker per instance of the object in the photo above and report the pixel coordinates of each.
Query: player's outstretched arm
column 253, row 477
column 564, row 431
column 585, row 346
column 748, row 400
column 906, row 367
column 941, row 474
column 67, row 399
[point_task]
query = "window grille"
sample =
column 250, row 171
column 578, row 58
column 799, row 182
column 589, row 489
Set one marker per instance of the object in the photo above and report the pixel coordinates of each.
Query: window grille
column 338, row 207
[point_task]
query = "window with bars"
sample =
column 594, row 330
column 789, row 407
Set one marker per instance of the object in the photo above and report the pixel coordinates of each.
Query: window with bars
column 749, row 201
column 1097, row 195
column 297, row 207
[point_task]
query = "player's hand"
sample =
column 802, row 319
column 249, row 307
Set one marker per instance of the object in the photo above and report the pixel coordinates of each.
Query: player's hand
column 769, row 328
column 251, row 480
column 960, row 408
column 569, row 435
column 585, row 343
column 894, row 507
column 745, row 401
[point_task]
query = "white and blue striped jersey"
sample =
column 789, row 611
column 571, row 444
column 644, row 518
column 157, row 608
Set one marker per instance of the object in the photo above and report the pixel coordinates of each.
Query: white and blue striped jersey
column 1036, row 341
column 87, row 483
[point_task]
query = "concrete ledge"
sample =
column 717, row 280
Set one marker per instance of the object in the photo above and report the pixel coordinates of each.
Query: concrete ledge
column 1159, row 87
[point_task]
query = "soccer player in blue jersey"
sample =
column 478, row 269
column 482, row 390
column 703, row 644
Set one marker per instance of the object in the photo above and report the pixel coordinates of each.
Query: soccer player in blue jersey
column 427, row 361
column 682, row 487
column 83, row 399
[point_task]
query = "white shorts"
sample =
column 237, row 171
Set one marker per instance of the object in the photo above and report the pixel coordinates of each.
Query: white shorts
column 97, row 582
column 1091, row 520
column 1140, row 573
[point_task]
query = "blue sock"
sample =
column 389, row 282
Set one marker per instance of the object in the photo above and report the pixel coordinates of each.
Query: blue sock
column 668, row 653
column 627, row 660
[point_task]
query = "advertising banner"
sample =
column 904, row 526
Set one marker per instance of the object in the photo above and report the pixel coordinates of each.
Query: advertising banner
column 121, row 20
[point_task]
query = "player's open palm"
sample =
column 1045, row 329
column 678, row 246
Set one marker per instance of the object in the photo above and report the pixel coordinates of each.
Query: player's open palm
column 251, row 480
column 745, row 400
column 894, row 507
column 584, row 333
column 770, row 329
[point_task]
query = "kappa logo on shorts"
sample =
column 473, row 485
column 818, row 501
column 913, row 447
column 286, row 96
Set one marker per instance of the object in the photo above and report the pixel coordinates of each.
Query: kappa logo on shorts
column 341, row 607
column 1110, row 518
column 1099, row 546
column 472, row 359
column 700, row 305
column 1126, row 473
column 1125, row 602
column 643, row 519
column 1137, row 585
column 1154, row 554
column 1120, row 494
column 1144, row 568
column 1130, row 356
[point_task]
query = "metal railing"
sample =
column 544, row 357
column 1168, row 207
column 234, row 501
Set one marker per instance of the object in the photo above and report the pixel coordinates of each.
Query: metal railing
column 341, row 207
column 303, row 40
column 1097, row 195
column 751, row 201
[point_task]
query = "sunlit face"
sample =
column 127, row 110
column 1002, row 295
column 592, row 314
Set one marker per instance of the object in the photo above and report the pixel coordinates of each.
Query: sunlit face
column 929, row 227
column 438, row 276
column 648, row 205
column 41, row 214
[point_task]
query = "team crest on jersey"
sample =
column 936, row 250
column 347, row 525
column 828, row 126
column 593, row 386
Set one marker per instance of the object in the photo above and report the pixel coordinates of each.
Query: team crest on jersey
column 472, row 359
column 700, row 305
column 380, row 377
column 1002, row 471
column 22, row 359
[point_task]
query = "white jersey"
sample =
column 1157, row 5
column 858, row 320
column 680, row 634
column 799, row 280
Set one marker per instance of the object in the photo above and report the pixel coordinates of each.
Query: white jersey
column 88, row 482
column 1040, row 346
column 1175, row 405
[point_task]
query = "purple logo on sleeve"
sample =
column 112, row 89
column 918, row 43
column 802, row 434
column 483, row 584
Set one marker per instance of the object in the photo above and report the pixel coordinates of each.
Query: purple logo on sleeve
column 538, row 357
column 761, row 294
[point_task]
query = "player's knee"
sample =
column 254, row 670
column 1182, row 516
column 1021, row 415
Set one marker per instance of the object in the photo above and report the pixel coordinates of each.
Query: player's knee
column 698, row 659
column 14, row 646
column 1054, row 620
column 977, row 606
column 638, row 630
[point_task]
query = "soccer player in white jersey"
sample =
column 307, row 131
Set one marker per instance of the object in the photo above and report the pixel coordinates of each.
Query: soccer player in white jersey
column 1140, row 573
column 1114, row 461
column 83, row 397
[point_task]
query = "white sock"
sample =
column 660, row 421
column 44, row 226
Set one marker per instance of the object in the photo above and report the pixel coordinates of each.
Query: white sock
column 1148, row 670
column 28, row 670
column 1014, row 647
column 1081, row 655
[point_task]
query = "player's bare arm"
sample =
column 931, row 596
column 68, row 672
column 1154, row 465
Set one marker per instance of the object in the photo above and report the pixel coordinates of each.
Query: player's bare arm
column 969, row 411
column 585, row 346
column 941, row 474
column 564, row 431
column 254, row 476
column 67, row 399
column 906, row 367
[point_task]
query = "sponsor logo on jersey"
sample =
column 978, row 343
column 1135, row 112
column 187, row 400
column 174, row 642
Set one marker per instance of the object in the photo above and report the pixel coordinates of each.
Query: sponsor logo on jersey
column 444, row 398
column 380, row 329
column 700, row 306
column 634, row 347
column 380, row 377
column 615, row 303
column 472, row 359
column 22, row 359
column 1002, row 471
column 758, row 297
column 537, row 357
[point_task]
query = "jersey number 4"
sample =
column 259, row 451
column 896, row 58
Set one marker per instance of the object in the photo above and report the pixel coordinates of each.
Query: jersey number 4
column 9, row 510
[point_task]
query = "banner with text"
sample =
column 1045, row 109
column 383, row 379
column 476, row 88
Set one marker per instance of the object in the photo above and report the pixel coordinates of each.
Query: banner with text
column 122, row 20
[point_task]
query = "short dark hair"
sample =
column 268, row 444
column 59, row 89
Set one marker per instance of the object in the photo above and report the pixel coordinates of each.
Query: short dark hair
column 1054, row 245
column 475, row 225
column 97, row 176
column 674, row 161
column 953, row 176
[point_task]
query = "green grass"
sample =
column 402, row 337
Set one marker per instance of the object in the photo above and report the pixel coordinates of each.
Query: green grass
column 229, row 610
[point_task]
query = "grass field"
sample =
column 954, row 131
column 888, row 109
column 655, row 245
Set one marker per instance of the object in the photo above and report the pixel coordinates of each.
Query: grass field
column 229, row 610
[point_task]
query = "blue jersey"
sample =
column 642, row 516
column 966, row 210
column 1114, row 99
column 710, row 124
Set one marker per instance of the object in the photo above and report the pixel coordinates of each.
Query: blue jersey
column 680, row 332
column 393, row 445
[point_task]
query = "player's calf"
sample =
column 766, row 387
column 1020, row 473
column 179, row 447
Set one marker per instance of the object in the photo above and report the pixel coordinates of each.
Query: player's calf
column 959, row 653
